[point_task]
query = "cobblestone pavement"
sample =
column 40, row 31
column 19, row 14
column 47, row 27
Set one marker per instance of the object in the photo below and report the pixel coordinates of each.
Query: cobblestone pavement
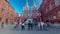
column 9, row 29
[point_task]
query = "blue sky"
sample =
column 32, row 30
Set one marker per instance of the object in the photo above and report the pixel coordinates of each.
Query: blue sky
column 19, row 4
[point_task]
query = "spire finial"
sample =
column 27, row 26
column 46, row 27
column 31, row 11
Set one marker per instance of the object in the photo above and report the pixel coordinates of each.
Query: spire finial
column 34, row 3
column 26, row 2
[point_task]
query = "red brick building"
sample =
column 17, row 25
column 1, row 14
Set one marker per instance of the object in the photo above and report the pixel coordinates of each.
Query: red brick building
column 26, row 10
column 35, row 13
column 7, row 13
column 50, row 10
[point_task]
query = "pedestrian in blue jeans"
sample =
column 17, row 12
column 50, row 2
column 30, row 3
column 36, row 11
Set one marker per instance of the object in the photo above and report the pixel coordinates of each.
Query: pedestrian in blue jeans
column 42, row 26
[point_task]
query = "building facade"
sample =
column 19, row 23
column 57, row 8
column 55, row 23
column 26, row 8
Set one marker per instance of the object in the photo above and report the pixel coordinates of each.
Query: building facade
column 7, row 13
column 50, row 10
column 34, row 13
column 26, row 10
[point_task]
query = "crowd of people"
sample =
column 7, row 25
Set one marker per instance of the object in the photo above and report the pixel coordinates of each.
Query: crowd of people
column 40, row 25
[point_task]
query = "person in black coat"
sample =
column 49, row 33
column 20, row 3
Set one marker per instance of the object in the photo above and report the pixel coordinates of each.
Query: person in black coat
column 22, row 26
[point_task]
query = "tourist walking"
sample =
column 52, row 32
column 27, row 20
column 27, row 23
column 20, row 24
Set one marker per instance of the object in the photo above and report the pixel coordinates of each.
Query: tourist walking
column 30, row 25
column 16, row 26
column 2, row 24
column 39, row 25
column 42, row 26
column 23, row 26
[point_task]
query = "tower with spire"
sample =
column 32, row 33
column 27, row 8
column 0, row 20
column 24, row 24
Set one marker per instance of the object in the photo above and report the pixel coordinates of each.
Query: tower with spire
column 26, row 10
column 34, row 10
column 35, row 14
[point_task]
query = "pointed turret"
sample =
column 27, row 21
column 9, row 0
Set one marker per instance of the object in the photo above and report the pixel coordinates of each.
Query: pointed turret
column 27, row 4
column 26, row 9
column 34, row 10
column 34, row 5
